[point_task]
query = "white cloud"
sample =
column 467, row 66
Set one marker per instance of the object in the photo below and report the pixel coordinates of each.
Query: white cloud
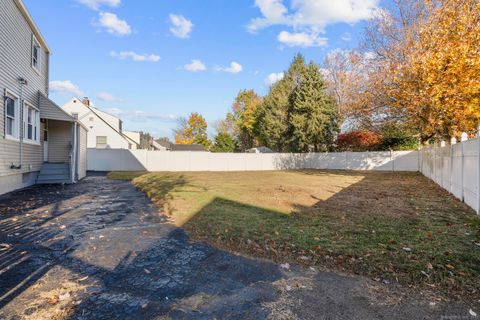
column 311, row 17
column 195, row 66
column 107, row 97
column 346, row 37
column 314, row 14
column 135, row 56
column 273, row 78
column 180, row 27
column 273, row 12
column 113, row 24
column 139, row 115
column 65, row 87
column 234, row 68
column 95, row 4
column 301, row 39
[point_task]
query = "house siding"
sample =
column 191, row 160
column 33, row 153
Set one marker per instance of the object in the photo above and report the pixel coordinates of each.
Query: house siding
column 59, row 141
column 15, row 61
column 97, row 127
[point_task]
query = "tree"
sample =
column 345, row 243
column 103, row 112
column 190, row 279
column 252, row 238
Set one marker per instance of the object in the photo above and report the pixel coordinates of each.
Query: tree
column 313, row 115
column 272, row 116
column 224, row 142
column 192, row 131
column 244, row 113
column 359, row 140
column 181, row 136
column 427, row 70
column 346, row 74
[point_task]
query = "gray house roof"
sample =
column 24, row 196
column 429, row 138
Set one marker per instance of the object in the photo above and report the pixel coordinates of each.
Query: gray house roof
column 49, row 110
column 187, row 147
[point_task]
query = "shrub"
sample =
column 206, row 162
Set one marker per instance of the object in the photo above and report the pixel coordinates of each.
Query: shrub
column 360, row 140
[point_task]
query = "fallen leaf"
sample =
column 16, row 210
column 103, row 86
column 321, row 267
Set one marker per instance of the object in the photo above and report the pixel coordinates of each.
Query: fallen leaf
column 64, row 296
column 53, row 300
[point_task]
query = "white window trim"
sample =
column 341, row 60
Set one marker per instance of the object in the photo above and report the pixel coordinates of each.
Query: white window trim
column 27, row 105
column 17, row 122
column 97, row 144
column 36, row 43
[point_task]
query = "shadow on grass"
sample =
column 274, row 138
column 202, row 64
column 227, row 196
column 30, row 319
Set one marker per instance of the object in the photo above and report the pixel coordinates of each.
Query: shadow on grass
column 381, row 226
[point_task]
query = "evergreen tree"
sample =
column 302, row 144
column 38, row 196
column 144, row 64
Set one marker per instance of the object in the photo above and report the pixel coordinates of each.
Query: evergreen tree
column 272, row 116
column 224, row 143
column 312, row 114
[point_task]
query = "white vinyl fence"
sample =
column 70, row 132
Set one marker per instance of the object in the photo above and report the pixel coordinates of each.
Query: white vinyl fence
column 455, row 167
column 144, row 160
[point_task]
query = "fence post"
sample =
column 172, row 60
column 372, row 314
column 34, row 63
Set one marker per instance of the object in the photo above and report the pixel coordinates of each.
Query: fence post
column 453, row 141
column 463, row 139
column 478, row 170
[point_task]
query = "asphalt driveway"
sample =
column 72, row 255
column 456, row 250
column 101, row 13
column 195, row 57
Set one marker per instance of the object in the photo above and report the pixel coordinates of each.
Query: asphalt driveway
column 100, row 250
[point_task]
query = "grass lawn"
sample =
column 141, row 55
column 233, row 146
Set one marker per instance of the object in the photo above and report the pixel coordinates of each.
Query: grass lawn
column 397, row 227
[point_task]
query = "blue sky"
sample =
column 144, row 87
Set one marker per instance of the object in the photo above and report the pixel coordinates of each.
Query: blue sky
column 151, row 61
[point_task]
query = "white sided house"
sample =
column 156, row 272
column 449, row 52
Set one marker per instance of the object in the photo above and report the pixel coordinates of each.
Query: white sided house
column 104, row 130
column 39, row 142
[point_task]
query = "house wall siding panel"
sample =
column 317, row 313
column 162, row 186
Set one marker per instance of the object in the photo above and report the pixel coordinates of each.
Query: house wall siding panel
column 15, row 61
column 60, row 141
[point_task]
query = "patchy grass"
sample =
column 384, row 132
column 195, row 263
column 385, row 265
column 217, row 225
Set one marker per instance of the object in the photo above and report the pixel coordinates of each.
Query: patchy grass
column 398, row 227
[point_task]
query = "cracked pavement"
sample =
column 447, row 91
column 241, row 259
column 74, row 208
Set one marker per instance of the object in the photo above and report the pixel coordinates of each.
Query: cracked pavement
column 100, row 249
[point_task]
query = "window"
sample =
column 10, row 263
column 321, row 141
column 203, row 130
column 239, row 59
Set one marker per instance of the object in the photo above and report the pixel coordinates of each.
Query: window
column 12, row 116
column 36, row 53
column 101, row 142
column 31, row 123
column 75, row 115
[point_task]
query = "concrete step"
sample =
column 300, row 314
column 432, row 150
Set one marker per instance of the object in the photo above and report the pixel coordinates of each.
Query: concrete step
column 53, row 177
column 54, row 171
column 52, row 181
column 49, row 165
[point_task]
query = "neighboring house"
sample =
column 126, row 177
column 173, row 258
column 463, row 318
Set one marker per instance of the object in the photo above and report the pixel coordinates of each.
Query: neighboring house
column 259, row 150
column 104, row 130
column 158, row 147
column 163, row 144
column 36, row 136
column 144, row 140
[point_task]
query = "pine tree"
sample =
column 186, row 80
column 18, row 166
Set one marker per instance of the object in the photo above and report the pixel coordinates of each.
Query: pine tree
column 312, row 114
column 272, row 116
column 224, row 143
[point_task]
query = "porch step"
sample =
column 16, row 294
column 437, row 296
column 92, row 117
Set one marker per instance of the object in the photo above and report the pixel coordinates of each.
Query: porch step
column 54, row 173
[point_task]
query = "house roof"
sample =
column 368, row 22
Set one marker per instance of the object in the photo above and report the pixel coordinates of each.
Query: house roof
column 164, row 143
column 95, row 112
column 187, row 147
column 32, row 24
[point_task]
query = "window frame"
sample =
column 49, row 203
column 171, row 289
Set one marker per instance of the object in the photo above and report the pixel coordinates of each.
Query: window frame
column 16, row 120
column 97, row 144
column 36, row 61
column 35, row 123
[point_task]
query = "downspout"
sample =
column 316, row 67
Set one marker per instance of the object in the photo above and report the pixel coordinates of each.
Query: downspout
column 74, row 157
column 22, row 82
